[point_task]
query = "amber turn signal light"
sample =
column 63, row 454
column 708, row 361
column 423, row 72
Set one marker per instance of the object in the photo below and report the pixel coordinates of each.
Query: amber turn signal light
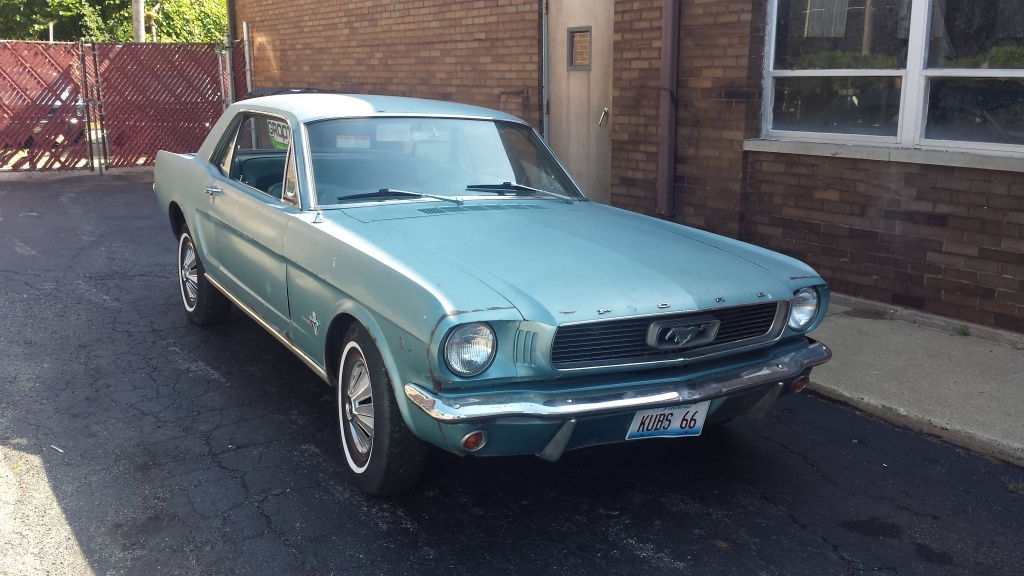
column 474, row 441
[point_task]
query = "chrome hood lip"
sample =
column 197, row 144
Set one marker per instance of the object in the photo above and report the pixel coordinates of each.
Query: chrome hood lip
column 557, row 265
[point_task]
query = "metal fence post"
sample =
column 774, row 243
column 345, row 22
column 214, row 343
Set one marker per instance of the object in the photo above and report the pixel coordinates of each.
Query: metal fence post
column 87, row 105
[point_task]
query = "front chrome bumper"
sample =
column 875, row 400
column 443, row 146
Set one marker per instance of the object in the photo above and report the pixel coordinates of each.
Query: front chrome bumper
column 567, row 404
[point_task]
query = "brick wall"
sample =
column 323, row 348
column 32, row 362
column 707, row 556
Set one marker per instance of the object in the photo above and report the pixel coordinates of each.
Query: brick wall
column 472, row 51
column 945, row 240
column 636, row 63
column 721, row 47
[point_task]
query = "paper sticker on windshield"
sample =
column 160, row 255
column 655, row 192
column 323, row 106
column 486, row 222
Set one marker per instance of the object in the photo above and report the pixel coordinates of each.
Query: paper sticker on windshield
column 350, row 142
column 279, row 134
column 394, row 132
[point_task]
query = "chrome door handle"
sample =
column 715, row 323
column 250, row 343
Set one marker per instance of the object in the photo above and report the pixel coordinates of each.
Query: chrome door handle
column 212, row 190
column 604, row 116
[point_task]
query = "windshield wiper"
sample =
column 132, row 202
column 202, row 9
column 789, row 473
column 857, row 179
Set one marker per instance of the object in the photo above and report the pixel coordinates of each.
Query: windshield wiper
column 392, row 192
column 520, row 188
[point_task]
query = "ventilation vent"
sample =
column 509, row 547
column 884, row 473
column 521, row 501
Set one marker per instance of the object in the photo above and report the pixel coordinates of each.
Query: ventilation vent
column 480, row 208
column 525, row 348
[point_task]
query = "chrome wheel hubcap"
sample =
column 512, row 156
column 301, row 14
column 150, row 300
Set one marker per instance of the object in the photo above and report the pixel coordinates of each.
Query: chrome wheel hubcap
column 358, row 407
column 189, row 272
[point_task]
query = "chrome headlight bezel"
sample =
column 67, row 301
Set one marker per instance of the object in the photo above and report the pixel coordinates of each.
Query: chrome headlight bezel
column 469, row 349
column 803, row 309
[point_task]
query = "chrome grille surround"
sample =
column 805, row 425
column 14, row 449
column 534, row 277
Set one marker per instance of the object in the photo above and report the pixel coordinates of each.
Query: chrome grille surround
column 623, row 341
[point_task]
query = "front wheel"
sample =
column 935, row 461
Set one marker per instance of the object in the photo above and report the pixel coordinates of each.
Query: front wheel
column 382, row 454
column 203, row 303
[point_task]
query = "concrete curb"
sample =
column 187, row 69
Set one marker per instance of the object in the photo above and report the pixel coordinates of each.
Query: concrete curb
column 863, row 379
column 137, row 173
column 988, row 446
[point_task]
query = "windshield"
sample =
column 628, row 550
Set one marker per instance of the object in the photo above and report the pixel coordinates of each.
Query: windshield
column 355, row 159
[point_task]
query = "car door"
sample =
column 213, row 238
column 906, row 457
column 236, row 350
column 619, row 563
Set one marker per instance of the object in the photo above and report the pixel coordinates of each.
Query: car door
column 250, row 216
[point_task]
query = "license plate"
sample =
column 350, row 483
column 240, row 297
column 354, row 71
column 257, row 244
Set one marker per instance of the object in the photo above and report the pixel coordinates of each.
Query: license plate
column 686, row 420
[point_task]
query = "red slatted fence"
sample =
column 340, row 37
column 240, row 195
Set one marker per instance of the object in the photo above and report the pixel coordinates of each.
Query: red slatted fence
column 136, row 98
column 40, row 85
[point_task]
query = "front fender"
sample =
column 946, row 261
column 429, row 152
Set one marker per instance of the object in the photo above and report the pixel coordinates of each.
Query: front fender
column 398, row 363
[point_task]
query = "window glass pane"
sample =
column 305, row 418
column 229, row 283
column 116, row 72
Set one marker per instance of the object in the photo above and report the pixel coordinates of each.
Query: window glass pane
column 976, row 110
column 836, row 34
column 580, row 49
column 355, row 156
column 844, row 105
column 977, row 34
column 259, row 154
column 290, row 190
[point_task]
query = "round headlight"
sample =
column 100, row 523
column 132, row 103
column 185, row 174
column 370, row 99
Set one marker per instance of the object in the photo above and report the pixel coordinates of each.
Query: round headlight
column 470, row 349
column 805, row 308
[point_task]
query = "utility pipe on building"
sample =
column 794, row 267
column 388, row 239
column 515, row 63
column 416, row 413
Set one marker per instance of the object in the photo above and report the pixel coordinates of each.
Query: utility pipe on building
column 667, row 104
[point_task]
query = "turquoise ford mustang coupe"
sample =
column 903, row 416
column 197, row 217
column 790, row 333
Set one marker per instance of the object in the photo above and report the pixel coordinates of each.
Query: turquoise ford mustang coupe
column 436, row 264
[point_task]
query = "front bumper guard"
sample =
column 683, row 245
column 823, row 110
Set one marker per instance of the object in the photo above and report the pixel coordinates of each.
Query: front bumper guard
column 571, row 404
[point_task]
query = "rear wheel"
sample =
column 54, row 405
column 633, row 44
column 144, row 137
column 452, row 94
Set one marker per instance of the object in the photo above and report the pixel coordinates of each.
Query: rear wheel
column 382, row 454
column 203, row 303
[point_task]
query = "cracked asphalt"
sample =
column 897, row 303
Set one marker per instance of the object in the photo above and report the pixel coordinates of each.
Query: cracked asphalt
column 133, row 442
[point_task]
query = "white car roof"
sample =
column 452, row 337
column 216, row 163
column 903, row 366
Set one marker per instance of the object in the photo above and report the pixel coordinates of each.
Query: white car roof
column 307, row 107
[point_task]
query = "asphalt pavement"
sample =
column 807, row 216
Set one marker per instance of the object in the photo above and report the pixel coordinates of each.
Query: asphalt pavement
column 133, row 442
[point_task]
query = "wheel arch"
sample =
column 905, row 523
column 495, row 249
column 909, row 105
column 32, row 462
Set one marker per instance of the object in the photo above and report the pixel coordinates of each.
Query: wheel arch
column 176, row 218
column 349, row 314
column 332, row 345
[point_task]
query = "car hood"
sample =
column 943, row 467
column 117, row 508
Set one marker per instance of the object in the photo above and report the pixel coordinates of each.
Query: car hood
column 565, row 263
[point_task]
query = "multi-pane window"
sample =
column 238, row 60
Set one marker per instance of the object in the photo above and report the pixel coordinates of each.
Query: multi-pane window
column 944, row 74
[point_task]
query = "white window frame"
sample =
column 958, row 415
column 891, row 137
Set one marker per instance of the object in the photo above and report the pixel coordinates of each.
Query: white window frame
column 913, row 95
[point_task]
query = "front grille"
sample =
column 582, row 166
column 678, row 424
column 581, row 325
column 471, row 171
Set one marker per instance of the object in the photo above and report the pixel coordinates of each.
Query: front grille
column 624, row 341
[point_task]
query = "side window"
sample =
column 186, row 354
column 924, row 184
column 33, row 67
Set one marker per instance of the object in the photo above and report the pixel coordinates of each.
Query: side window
column 256, row 155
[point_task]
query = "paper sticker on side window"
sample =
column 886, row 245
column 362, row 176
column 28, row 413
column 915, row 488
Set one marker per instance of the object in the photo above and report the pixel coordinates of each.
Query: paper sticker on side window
column 279, row 134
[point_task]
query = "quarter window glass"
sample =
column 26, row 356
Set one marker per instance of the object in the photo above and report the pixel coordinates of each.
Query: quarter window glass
column 290, row 191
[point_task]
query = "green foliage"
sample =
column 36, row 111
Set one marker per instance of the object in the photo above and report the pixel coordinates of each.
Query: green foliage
column 998, row 57
column 105, row 21
column 111, row 20
column 16, row 19
column 191, row 20
column 839, row 60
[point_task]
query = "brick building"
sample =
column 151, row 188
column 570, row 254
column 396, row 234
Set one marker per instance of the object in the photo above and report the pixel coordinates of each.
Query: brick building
column 881, row 141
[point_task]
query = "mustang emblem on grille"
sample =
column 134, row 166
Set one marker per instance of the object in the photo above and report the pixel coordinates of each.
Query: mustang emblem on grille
column 673, row 334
